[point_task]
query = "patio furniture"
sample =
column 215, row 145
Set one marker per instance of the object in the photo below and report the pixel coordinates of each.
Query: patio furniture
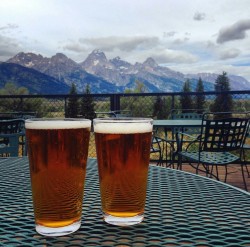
column 157, row 147
column 170, row 124
column 246, row 151
column 186, row 114
column 181, row 209
column 12, row 136
column 9, row 145
column 220, row 138
column 17, row 115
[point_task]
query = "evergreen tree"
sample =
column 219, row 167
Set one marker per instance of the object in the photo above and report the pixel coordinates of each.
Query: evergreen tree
column 200, row 99
column 87, row 104
column 222, row 102
column 186, row 101
column 72, row 106
column 160, row 108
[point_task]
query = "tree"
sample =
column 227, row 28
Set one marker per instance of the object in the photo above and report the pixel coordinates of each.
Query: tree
column 160, row 108
column 87, row 109
column 199, row 98
column 11, row 89
column 186, row 101
column 72, row 106
column 135, row 103
column 223, row 102
column 37, row 105
column 139, row 88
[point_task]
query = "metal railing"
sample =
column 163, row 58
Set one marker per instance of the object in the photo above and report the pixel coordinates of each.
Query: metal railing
column 138, row 104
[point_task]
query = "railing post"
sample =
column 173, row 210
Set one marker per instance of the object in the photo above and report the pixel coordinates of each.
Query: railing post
column 65, row 105
column 172, row 102
column 115, row 102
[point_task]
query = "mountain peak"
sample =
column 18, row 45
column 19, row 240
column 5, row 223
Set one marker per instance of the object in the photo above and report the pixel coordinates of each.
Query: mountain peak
column 95, row 58
column 25, row 59
column 59, row 57
column 150, row 62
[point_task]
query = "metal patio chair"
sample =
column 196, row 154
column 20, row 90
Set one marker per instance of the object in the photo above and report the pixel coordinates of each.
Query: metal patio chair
column 246, row 149
column 12, row 135
column 9, row 145
column 157, row 147
column 191, row 133
column 183, row 114
column 219, row 144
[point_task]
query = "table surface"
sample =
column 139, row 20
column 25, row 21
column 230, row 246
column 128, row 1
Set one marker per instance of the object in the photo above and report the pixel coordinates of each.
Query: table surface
column 178, row 123
column 182, row 209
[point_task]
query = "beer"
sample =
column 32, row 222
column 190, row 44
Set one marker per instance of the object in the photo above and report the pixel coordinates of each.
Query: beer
column 123, row 151
column 57, row 151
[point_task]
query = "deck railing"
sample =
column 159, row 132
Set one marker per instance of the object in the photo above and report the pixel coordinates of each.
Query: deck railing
column 138, row 104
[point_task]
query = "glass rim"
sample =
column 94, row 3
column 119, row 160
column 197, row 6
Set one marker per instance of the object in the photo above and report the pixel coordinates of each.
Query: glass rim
column 56, row 119
column 57, row 123
column 123, row 120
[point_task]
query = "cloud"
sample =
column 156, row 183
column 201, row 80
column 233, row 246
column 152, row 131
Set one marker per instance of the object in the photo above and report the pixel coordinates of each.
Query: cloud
column 198, row 16
column 9, row 26
column 75, row 47
column 8, row 47
column 113, row 43
column 234, row 32
column 169, row 34
column 173, row 56
column 229, row 54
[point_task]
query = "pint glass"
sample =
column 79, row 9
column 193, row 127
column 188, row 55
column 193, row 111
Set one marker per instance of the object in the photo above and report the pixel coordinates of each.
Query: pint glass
column 57, row 151
column 123, row 152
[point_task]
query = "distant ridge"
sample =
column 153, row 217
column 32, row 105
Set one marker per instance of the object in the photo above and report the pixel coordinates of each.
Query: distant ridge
column 114, row 75
column 35, row 81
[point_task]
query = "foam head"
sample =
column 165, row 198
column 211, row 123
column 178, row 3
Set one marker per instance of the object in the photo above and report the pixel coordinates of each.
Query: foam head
column 123, row 127
column 57, row 124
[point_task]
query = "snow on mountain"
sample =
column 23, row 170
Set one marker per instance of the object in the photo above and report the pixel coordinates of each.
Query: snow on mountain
column 117, row 74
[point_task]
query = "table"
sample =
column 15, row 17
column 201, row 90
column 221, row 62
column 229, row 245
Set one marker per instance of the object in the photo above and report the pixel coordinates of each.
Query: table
column 178, row 123
column 175, row 125
column 182, row 209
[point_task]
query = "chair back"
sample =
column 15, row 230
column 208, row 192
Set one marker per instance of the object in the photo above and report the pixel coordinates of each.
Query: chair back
column 12, row 137
column 9, row 145
column 11, row 126
column 186, row 114
column 223, row 134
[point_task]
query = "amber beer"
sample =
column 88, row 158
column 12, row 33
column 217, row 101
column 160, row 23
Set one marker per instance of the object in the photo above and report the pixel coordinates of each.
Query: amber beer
column 123, row 151
column 57, row 151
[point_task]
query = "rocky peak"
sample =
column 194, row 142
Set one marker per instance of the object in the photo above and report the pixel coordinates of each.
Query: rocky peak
column 96, row 62
column 120, row 64
column 60, row 58
column 26, row 59
column 150, row 62
column 97, row 55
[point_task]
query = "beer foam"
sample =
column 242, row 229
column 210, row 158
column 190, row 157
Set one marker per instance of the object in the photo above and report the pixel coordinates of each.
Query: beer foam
column 57, row 124
column 123, row 128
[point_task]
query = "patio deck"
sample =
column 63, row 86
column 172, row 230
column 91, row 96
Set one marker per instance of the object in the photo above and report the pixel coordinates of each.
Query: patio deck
column 234, row 177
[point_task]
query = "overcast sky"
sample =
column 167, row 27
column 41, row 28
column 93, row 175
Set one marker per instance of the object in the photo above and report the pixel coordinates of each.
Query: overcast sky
column 189, row 36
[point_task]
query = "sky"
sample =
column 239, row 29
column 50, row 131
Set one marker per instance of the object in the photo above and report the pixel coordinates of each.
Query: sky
column 189, row 36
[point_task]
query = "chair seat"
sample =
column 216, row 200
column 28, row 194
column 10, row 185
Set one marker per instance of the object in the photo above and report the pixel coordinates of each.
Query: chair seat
column 210, row 158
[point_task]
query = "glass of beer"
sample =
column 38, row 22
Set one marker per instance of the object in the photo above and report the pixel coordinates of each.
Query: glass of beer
column 57, row 152
column 123, row 153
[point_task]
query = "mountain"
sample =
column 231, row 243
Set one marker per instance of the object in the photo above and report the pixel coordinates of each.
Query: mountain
column 115, row 75
column 236, row 82
column 35, row 81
